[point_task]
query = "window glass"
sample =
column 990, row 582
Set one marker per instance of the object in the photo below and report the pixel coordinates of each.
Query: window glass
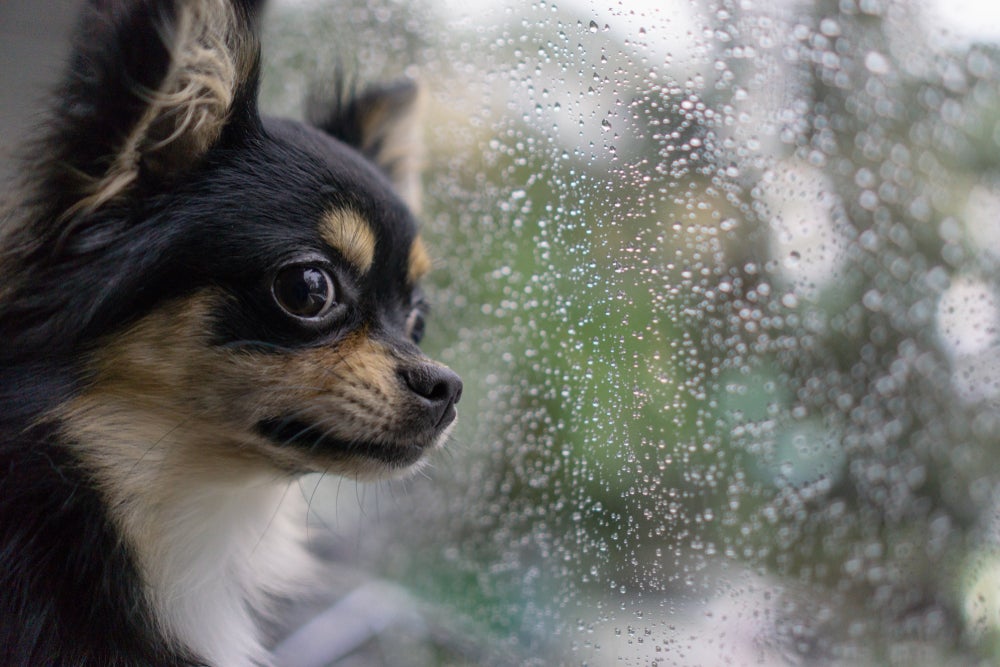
column 721, row 278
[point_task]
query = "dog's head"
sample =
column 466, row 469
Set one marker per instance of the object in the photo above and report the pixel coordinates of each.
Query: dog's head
column 245, row 284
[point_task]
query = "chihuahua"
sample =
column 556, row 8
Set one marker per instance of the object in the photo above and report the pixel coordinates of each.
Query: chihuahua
column 198, row 305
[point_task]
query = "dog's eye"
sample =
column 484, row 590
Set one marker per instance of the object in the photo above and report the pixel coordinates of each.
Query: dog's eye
column 303, row 291
column 415, row 323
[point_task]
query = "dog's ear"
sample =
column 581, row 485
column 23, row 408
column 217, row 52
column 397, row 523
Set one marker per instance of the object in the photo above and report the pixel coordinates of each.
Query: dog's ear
column 382, row 123
column 152, row 85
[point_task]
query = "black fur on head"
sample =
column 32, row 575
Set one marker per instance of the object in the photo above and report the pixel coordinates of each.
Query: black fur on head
column 153, row 145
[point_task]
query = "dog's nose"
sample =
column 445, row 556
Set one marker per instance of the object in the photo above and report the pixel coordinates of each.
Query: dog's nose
column 439, row 387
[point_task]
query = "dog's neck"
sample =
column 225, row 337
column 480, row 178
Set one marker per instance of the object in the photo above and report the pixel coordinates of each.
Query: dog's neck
column 220, row 553
column 212, row 543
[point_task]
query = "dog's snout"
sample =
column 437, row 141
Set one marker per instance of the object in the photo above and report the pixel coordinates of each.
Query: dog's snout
column 439, row 387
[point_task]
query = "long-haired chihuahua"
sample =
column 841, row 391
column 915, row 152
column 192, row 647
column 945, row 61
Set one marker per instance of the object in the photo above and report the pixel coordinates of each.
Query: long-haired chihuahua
column 197, row 306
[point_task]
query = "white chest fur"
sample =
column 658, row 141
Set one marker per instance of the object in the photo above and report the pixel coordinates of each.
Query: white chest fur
column 217, row 556
column 216, row 531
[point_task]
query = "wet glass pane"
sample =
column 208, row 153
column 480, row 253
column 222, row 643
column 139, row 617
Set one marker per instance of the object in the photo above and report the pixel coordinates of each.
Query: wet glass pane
column 721, row 279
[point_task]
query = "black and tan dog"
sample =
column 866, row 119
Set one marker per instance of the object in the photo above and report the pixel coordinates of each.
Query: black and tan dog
column 197, row 305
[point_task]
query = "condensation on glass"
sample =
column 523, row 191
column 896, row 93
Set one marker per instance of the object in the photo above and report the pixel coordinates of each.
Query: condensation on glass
column 721, row 279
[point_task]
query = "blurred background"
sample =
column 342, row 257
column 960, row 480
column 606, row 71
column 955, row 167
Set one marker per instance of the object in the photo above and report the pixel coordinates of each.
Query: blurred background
column 722, row 279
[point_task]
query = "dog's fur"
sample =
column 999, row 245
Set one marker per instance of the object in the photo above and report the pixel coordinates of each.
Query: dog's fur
column 197, row 305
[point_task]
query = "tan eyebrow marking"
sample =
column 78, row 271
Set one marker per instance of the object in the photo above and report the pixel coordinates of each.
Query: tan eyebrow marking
column 420, row 261
column 349, row 234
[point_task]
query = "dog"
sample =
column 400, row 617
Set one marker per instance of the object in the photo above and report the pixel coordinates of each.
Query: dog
column 198, row 305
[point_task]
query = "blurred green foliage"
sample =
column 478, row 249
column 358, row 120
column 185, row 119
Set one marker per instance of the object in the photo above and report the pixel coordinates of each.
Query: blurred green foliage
column 653, row 412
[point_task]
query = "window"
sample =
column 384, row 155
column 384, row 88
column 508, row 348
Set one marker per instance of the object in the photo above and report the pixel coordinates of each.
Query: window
column 722, row 281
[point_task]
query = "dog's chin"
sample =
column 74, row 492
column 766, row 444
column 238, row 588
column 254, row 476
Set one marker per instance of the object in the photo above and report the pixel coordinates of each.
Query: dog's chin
column 365, row 458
